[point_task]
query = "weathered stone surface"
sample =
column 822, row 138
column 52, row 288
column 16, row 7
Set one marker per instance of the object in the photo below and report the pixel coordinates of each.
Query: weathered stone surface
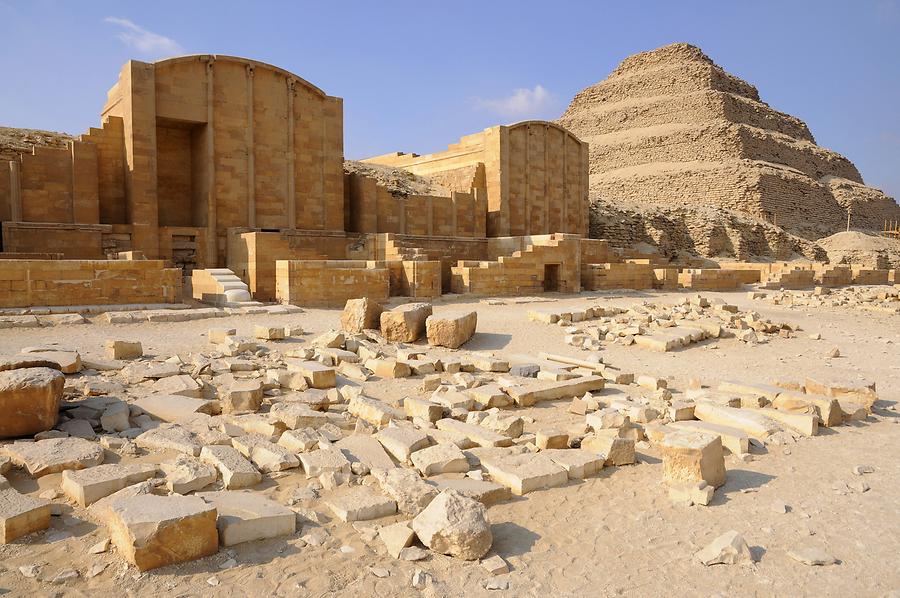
column 371, row 410
column 551, row 439
column 361, row 314
column 154, row 531
column 402, row 441
column 181, row 384
column 424, row 409
column 21, row 515
column 411, row 492
column 456, row 525
column 364, row 449
column 525, row 473
column 174, row 408
column 359, row 503
column 29, row 400
column 396, row 537
column 388, row 368
column 440, row 458
column 752, row 423
column 406, row 323
column 828, row 409
column 69, row 361
column 616, row 450
column 526, row 395
column 188, row 474
column 247, row 516
column 728, row 549
column 116, row 417
column 268, row 333
column 87, row 486
column 78, row 428
column 321, row 461
column 299, row 441
column 487, row 493
column 242, row 396
column 120, row 349
column 690, row 457
column 578, row 464
column 266, row 455
column 478, row 434
column 169, row 437
column 734, row 439
column 814, row 556
column 451, row 330
column 504, row 423
column 315, row 374
column 297, row 415
column 237, row 472
column 54, row 455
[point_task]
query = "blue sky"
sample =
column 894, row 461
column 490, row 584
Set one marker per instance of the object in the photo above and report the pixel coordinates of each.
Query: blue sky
column 416, row 76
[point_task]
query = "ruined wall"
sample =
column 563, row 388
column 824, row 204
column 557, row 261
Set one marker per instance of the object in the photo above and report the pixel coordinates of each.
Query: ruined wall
column 26, row 283
column 318, row 283
column 534, row 179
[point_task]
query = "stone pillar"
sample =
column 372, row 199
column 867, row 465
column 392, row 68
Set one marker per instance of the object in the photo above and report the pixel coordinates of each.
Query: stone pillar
column 251, row 176
column 15, row 189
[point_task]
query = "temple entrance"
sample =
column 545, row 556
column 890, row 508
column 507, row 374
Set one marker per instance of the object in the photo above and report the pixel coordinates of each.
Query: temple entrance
column 551, row 278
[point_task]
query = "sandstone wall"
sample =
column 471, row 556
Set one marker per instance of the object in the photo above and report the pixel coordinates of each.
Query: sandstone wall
column 26, row 283
column 319, row 283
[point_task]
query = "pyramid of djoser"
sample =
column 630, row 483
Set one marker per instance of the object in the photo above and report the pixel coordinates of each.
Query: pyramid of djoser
column 671, row 127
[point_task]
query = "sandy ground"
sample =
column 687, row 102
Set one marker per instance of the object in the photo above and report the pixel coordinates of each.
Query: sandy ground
column 616, row 534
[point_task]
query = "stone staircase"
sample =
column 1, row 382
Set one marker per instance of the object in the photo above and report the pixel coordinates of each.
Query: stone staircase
column 219, row 286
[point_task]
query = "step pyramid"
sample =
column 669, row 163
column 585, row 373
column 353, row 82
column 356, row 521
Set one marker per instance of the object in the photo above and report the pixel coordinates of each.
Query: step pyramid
column 671, row 127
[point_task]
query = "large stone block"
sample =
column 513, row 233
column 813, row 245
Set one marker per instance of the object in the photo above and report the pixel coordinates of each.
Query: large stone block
column 87, row 486
column 456, row 525
column 451, row 330
column 154, row 531
column 21, row 515
column 361, row 314
column 405, row 324
column 690, row 457
column 54, row 455
column 247, row 516
column 29, row 400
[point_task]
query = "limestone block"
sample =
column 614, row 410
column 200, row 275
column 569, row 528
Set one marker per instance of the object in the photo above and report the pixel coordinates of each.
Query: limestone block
column 174, row 408
column 87, row 486
column 236, row 471
column 827, row 409
column 361, row 314
column 578, row 464
column 154, row 531
column 752, row 423
column 487, row 493
column 405, row 324
column 551, row 439
column 169, row 437
column 396, row 537
column 78, row 428
column 526, row 395
column 116, row 418
column 425, row 410
column 733, row 439
column 524, row 473
column 411, row 492
column 54, row 455
column 451, row 330
column 315, row 374
column 120, row 349
column 69, row 362
column 371, row 410
column 478, row 434
column 690, row 457
column 268, row 333
column 359, row 503
column 299, row 441
column 297, row 415
column 361, row 448
column 502, row 423
column 21, row 515
column 488, row 396
column 218, row 336
column 247, row 516
column 388, row 368
column 253, row 423
column 487, row 363
column 616, row 450
column 333, row 339
column 181, row 385
column 321, row 461
column 266, row 455
column 451, row 399
column 242, row 396
column 728, row 549
column 402, row 441
column 455, row 525
column 440, row 458
column 29, row 400
column 188, row 474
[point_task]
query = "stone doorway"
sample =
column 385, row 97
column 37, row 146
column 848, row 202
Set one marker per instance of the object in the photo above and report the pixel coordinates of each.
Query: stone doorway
column 551, row 278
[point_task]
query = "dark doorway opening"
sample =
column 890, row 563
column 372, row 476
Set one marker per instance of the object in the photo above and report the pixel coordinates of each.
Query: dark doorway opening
column 551, row 278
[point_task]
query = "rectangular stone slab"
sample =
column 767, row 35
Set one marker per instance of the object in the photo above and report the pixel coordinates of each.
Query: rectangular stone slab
column 154, row 531
column 360, row 503
column 478, row 434
column 753, row 424
column 487, row 493
column 525, row 473
column 366, row 450
column 21, row 515
column 526, row 395
column 54, row 455
column 247, row 516
column 236, row 471
column 734, row 439
column 87, row 486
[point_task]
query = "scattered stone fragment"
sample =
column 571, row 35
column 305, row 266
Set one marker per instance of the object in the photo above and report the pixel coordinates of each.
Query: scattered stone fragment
column 242, row 396
column 813, row 556
column 402, row 441
column 551, row 439
column 361, row 314
column 237, row 472
column 691, row 457
column 87, row 486
column 455, row 525
column 525, row 473
column 169, row 437
column 174, row 408
column 154, row 531
column 396, row 537
column 440, row 458
column 728, row 549
column 616, row 450
column 29, row 400
column 406, row 323
column 359, row 503
column 21, row 515
column 321, row 461
column 119, row 349
column 54, row 455
column 364, row 449
column 411, row 492
column 495, row 565
column 451, row 330
column 247, row 516
column 268, row 333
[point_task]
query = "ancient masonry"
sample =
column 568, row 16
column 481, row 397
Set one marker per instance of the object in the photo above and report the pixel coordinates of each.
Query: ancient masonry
column 671, row 127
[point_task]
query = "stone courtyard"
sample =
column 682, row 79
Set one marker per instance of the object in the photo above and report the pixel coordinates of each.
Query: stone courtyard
column 232, row 362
